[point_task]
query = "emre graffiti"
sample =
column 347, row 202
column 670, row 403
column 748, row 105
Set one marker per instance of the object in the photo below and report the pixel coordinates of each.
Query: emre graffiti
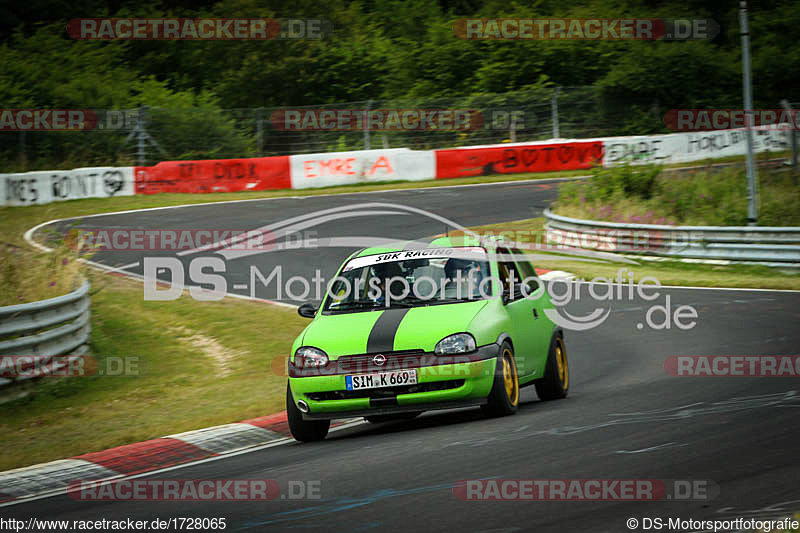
column 349, row 166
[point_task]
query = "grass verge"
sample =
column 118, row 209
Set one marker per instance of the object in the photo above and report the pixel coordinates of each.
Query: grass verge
column 28, row 276
column 185, row 365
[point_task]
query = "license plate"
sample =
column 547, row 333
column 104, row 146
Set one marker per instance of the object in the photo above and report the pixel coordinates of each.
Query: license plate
column 381, row 379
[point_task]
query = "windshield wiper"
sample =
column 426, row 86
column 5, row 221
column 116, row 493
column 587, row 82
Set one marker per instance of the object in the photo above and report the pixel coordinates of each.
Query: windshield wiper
column 453, row 300
column 410, row 299
column 353, row 306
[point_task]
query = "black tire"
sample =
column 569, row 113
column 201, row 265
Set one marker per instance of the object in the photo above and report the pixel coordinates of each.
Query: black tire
column 504, row 397
column 377, row 419
column 554, row 385
column 304, row 430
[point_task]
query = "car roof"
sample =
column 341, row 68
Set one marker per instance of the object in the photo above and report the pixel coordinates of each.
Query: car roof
column 438, row 242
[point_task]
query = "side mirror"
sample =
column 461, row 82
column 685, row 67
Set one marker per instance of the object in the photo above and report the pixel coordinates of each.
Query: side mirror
column 307, row 310
column 516, row 293
column 533, row 286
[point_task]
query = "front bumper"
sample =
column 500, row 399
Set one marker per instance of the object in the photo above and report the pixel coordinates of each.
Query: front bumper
column 438, row 387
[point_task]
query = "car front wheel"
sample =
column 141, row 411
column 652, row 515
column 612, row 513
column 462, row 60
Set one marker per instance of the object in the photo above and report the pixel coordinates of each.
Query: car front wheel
column 504, row 397
column 555, row 383
column 304, row 430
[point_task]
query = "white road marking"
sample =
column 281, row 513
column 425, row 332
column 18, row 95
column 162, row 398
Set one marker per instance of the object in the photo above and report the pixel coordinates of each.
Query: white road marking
column 651, row 448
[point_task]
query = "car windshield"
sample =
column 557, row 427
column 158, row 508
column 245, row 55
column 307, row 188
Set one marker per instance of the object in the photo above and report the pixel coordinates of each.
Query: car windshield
column 410, row 278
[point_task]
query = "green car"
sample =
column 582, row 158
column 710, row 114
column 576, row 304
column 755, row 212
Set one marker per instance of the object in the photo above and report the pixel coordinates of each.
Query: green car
column 410, row 328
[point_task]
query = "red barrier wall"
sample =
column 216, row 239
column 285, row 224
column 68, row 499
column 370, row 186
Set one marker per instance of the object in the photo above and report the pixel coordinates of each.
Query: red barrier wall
column 461, row 162
column 220, row 175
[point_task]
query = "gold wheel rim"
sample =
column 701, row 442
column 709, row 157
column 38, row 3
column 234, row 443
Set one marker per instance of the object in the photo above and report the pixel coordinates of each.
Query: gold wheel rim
column 510, row 377
column 561, row 361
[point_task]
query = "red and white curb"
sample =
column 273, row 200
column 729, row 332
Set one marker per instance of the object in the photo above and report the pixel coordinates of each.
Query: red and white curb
column 551, row 275
column 139, row 458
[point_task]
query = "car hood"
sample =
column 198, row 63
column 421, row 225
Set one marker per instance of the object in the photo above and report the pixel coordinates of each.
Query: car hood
column 417, row 328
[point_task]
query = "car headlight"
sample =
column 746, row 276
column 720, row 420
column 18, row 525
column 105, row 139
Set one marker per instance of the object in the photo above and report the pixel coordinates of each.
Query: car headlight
column 309, row 357
column 458, row 343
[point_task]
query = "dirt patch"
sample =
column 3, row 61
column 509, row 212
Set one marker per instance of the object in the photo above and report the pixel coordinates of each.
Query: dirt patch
column 208, row 346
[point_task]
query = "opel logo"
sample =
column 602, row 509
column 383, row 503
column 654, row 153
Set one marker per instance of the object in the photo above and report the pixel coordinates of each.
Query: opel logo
column 379, row 359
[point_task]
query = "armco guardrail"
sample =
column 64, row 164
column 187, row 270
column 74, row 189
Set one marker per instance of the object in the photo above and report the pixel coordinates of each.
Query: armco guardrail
column 33, row 334
column 733, row 243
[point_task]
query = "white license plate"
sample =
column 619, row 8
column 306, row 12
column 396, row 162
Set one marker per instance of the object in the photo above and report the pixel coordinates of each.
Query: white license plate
column 381, row 379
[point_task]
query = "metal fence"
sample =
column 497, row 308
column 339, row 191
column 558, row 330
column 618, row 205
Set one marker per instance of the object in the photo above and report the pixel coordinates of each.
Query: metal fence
column 33, row 334
column 768, row 245
column 146, row 135
column 150, row 134
column 493, row 118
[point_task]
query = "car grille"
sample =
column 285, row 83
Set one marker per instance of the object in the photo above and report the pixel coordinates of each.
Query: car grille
column 394, row 360
column 386, row 392
column 399, row 360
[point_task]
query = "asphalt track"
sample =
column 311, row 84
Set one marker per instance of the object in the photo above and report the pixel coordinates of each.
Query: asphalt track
column 625, row 417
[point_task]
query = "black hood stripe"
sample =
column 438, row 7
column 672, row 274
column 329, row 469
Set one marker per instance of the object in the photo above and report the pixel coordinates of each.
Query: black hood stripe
column 381, row 338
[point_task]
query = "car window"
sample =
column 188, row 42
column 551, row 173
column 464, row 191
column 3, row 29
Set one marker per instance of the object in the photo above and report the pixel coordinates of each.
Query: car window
column 526, row 270
column 506, row 267
column 410, row 279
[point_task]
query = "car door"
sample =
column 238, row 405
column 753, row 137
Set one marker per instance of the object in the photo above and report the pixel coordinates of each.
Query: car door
column 534, row 288
column 523, row 313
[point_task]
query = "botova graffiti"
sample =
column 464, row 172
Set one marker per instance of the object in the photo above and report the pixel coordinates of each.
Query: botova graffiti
column 507, row 160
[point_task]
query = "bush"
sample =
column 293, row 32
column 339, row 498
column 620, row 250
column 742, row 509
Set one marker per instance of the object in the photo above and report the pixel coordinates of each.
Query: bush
column 647, row 196
column 626, row 180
